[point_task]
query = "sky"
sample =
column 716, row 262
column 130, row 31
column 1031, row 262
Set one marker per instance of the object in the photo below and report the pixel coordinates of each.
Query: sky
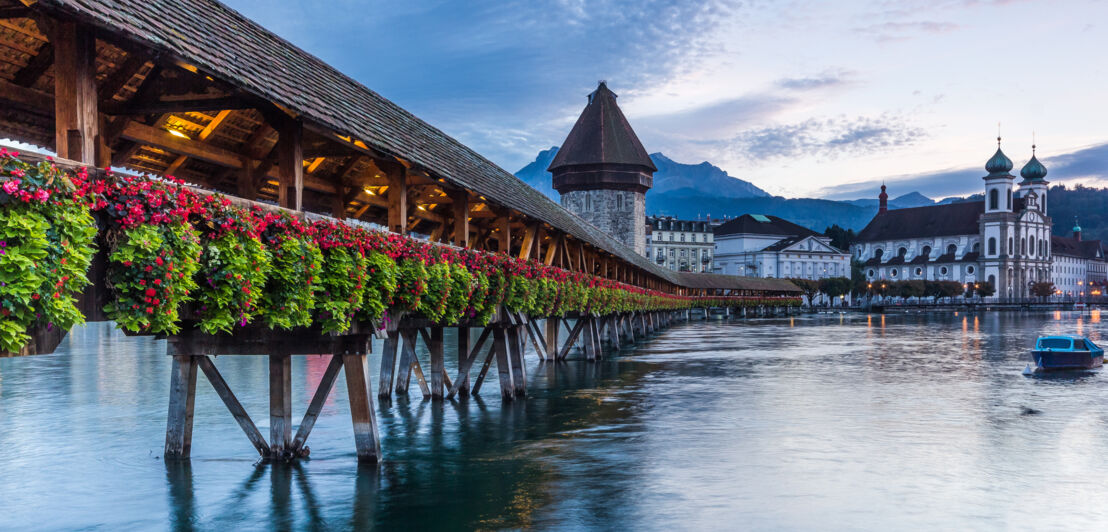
column 803, row 99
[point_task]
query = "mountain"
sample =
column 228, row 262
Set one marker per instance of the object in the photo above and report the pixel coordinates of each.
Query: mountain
column 911, row 199
column 671, row 176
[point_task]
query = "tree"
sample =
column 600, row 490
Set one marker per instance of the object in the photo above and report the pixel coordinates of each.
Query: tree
column 840, row 238
column 1043, row 289
column 808, row 286
column 950, row 288
column 835, row 286
column 859, row 285
column 985, row 289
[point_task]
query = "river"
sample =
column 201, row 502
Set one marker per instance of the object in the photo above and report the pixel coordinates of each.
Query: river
column 817, row 422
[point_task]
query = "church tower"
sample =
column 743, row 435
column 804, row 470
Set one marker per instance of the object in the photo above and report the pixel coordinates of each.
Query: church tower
column 998, row 226
column 603, row 172
column 1034, row 180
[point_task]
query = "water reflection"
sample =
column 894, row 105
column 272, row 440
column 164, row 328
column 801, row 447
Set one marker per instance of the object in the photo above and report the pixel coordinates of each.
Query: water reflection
column 917, row 421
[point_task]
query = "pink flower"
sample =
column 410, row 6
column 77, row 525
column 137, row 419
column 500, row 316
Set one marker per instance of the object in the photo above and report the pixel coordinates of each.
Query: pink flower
column 11, row 186
column 42, row 195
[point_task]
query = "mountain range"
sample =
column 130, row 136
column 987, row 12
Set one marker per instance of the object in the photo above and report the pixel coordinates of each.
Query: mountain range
column 691, row 191
column 695, row 191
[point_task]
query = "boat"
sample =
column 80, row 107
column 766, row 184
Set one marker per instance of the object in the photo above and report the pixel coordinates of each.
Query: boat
column 1067, row 352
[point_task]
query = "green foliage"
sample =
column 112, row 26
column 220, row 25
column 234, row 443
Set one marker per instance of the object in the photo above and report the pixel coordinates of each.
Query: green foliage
column 342, row 287
column 411, row 281
column 433, row 303
column 809, row 287
column 24, row 234
column 1042, row 289
column 380, row 280
column 480, row 308
column 461, row 288
column 835, row 286
column 290, row 289
column 151, row 272
column 519, row 295
column 841, row 238
column 233, row 270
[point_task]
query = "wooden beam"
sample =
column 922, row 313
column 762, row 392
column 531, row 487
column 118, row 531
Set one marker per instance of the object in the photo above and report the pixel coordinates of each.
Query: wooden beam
column 367, row 441
column 233, row 404
column 316, row 406
column 460, row 219
column 182, row 399
column 211, row 127
column 280, row 403
column 157, row 107
column 26, row 98
column 504, row 234
column 290, row 165
column 552, row 251
column 121, row 77
column 36, row 67
column 16, row 11
column 528, row 241
column 76, row 122
column 397, row 201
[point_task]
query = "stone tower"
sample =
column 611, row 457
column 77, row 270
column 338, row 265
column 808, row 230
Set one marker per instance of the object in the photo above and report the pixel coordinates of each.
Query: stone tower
column 603, row 172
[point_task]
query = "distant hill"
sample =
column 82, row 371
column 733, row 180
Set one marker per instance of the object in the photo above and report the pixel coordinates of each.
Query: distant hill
column 671, row 176
column 911, row 199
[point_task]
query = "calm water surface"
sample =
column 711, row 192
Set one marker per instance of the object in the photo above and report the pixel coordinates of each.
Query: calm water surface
column 824, row 422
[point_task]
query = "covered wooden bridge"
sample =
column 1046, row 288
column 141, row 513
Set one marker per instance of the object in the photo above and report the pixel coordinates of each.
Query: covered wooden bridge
column 193, row 89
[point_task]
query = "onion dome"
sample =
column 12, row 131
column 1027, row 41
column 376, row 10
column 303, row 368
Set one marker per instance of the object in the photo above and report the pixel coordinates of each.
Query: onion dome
column 1033, row 170
column 999, row 164
column 1076, row 227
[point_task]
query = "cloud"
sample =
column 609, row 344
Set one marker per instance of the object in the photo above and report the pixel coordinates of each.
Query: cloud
column 1087, row 165
column 822, row 81
column 823, row 138
column 900, row 31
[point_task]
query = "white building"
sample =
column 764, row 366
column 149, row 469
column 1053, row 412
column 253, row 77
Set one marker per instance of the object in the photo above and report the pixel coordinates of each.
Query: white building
column 1003, row 240
column 1078, row 269
column 768, row 246
column 680, row 245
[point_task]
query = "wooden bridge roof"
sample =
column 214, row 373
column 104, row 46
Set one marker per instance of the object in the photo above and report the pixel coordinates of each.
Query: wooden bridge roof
column 246, row 65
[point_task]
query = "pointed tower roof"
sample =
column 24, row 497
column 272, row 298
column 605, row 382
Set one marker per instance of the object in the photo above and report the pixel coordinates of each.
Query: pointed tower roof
column 602, row 135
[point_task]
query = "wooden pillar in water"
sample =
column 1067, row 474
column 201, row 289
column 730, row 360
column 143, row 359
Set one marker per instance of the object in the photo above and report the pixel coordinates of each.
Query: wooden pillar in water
column 463, row 352
column 367, row 441
column 388, row 363
column 592, row 346
column 503, row 366
column 553, row 328
column 182, row 397
column 438, row 368
column 515, row 346
column 613, row 331
column 280, row 403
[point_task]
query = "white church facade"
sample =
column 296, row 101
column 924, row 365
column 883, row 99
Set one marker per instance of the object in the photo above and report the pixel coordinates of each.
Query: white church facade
column 1003, row 240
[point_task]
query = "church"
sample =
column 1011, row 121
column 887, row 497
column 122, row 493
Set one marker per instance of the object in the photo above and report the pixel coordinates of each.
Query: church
column 1003, row 239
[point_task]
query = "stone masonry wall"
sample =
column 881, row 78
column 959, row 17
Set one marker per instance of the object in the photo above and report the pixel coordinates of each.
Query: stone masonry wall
column 620, row 213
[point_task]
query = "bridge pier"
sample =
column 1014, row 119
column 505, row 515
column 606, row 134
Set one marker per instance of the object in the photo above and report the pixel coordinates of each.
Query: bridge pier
column 191, row 350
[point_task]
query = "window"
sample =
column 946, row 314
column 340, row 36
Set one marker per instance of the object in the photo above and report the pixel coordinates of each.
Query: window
column 619, row 202
column 893, row 272
column 1023, row 246
column 919, row 271
column 977, row 247
column 952, row 249
column 869, row 274
column 943, row 270
column 926, row 251
column 877, row 253
column 969, row 269
column 1009, row 200
column 1031, row 244
column 1010, row 246
column 992, row 246
column 994, row 199
column 588, row 201
column 901, row 252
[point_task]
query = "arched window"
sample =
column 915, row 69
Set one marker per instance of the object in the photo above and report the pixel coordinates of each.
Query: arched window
column 952, row 249
column 994, row 199
column 926, row 251
column 1023, row 246
column 992, row 281
column 1010, row 251
column 976, row 247
column 901, row 252
column 992, row 246
column 877, row 253
column 1009, row 200
column 1031, row 243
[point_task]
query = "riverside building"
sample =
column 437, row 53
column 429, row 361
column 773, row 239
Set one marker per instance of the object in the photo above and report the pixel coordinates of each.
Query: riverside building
column 1003, row 240
column 1078, row 268
column 680, row 245
column 767, row 246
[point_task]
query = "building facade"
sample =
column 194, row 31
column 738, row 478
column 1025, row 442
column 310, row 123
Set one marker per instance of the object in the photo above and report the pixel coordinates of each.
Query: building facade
column 1078, row 269
column 680, row 245
column 768, row 246
column 1003, row 240
column 603, row 172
